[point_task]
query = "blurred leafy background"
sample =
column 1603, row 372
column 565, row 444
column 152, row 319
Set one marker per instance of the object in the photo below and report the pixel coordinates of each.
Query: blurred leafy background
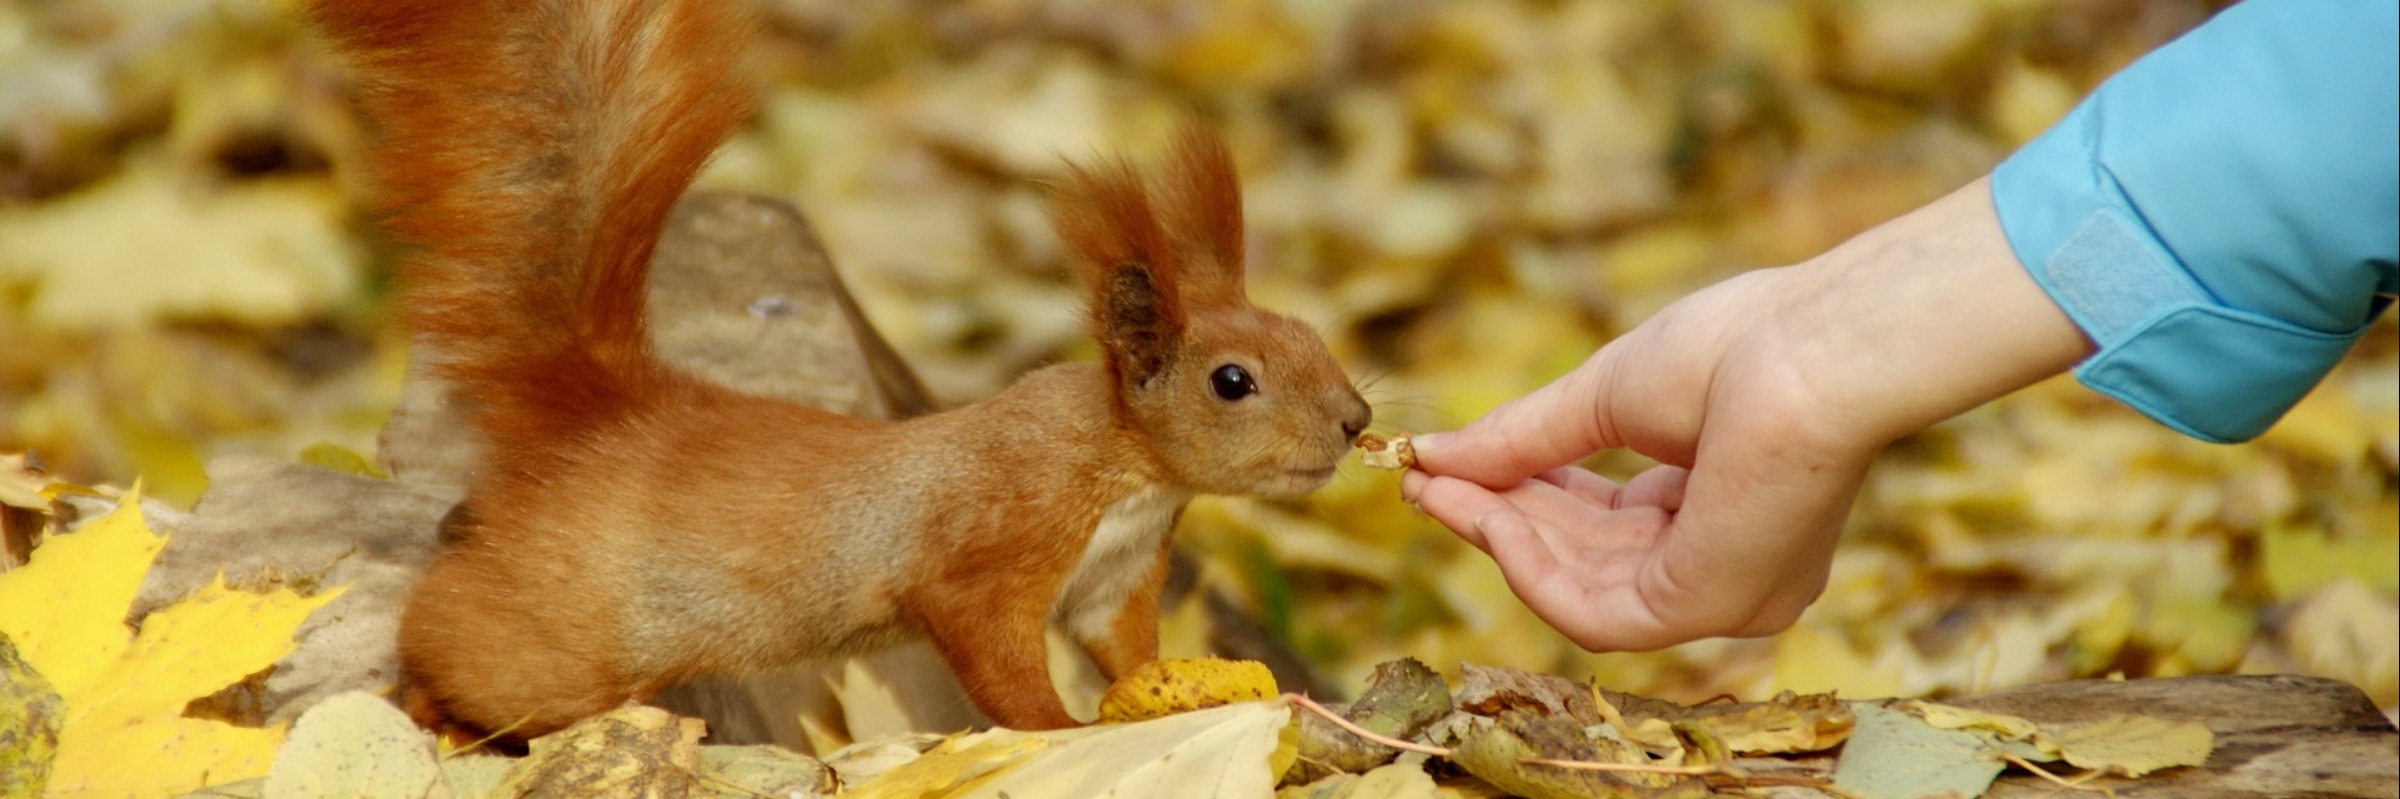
column 1466, row 198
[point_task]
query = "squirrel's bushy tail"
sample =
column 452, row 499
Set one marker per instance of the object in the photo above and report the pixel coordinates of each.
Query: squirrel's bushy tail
column 529, row 152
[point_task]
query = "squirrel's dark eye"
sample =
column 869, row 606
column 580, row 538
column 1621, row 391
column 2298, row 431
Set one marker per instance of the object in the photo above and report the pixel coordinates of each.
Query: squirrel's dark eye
column 1232, row 382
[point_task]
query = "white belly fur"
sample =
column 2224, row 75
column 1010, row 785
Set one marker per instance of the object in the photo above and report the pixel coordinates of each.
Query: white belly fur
column 1121, row 553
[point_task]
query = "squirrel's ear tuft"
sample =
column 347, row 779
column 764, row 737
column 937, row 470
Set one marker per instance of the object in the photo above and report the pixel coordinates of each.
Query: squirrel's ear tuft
column 1128, row 271
column 1204, row 211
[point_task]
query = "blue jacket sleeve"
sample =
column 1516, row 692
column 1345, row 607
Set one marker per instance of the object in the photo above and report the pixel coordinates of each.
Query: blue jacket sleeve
column 2223, row 217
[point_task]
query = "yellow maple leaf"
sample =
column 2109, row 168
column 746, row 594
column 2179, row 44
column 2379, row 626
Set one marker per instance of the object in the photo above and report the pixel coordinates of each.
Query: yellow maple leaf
column 123, row 731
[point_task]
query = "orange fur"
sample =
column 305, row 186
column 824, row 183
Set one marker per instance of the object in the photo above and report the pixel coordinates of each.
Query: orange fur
column 634, row 527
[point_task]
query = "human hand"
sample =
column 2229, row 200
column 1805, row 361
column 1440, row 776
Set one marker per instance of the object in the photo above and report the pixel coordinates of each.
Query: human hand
column 1731, row 535
column 1764, row 398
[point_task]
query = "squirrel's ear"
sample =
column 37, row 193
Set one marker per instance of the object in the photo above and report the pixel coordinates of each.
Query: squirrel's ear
column 1204, row 209
column 1127, row 269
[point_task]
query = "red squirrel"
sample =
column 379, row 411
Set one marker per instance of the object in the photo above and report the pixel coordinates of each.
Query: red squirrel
column 632, row 526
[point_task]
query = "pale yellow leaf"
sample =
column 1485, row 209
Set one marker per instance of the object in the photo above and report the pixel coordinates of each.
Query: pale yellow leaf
column 358, row 745
column 1395, row 781
column 962, row 758
column 740, row 772
column 335, row 457
column 860, row 762
column 1392, row 781
column 475, row 776
column 1949, row 717
column 154, row 241
column 20, row 485
column 2134, row 745
column 2350, row 632
column 1219, row 752
column 872, row 705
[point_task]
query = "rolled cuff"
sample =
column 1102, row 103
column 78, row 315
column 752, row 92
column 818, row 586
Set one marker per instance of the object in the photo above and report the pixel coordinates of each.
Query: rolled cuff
column 2166, row 346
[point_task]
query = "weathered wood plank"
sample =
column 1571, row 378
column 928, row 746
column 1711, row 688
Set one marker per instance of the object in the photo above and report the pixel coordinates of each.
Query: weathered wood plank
column 2281, row 736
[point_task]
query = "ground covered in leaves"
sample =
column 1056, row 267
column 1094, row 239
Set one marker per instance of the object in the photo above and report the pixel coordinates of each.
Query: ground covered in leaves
column 1465, row 198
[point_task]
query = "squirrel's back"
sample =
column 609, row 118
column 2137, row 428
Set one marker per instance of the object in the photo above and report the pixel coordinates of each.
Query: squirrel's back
column 529, row 152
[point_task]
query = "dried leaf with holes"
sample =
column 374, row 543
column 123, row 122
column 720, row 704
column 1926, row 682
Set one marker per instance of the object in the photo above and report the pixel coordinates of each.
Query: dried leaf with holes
column 1380, row 453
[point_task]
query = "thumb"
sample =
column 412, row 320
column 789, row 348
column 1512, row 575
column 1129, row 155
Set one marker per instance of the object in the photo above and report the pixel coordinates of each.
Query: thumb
column 1555, row 425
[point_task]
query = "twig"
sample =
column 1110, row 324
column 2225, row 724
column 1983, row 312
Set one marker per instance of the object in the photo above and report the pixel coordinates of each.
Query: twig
column 2076, row 783
column 1362, row 732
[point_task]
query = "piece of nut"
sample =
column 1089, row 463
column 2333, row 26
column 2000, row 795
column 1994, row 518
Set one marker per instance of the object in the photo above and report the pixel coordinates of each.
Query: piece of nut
column 1380, row 453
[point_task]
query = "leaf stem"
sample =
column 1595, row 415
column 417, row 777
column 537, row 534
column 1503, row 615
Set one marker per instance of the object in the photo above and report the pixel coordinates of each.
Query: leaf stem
column 2075, row 783
column 1362, row 732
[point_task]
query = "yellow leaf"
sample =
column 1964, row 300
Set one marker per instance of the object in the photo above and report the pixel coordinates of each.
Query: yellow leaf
column 1813, row 660
column 335, row 457
column 194, row 648
column 66, row 608
column 123, row 731
column 1947, row 717
column 1221, row 751
column 1394, row 781
column 859, row 763
column 159, row 757
column 1164, row 687
column 2298, row 560
column 957, row 760
column 147, row 244
column 2130, row 745
column 2134, row 745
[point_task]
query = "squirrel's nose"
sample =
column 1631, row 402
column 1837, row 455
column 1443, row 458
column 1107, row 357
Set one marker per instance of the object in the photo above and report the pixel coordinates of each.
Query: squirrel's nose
column 1352, row 427
column 1355, row 418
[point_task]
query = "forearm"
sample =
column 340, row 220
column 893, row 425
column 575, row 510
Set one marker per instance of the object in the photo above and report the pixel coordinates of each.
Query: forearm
column 1923, row 318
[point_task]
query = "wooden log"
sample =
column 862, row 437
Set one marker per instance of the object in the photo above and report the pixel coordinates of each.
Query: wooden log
column 2281, row 736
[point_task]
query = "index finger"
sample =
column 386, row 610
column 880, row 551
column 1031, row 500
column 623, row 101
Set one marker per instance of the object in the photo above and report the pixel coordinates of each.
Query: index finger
column 1551, row 427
